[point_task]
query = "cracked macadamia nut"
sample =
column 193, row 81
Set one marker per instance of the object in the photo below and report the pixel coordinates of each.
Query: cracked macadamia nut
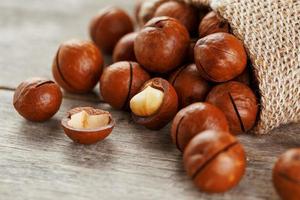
column 286, row 175
column 77, row 66
column 189, row 85
column 124, row 50
column 120, row 82
column 239, row 104
column 212, row 23
column 108, row 26
column 37, row 99
column 220, row 57
column 215, row 160
column 184, row 13
column 194, row 119
column 161, row 45
column 155, row 105
column 87, row 125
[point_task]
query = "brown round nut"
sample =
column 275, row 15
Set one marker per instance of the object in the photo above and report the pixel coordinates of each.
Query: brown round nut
column 212, row 23
column 155, row 105
column 184, row 13
column 108, row 26
column 286, row 175
column 220, row 57
column 194, row 119
column 215, row 160
column 120, row 82
column 124, row 50
column 239, row 104
column 87, row 125
column 77, row 66
column 189, row 85
column 37, row 99
column 161, row 45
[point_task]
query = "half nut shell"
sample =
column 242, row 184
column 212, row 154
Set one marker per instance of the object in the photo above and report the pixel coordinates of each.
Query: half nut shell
column 87, row 135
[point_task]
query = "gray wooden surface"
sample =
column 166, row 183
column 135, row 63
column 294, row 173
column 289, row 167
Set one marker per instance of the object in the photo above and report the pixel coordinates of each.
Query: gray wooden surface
column 37, row 161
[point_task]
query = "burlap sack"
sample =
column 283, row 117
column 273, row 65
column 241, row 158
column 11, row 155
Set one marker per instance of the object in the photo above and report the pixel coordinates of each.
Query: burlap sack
column 270, row 30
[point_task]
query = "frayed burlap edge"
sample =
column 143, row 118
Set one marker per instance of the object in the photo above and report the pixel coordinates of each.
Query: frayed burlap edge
column 270, row 30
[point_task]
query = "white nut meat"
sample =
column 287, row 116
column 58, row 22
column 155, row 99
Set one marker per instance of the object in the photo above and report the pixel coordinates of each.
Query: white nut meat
column 147, row 102
column 83, row 120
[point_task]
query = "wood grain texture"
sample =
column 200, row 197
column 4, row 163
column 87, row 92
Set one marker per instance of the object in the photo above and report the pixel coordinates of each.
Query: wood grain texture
column 37, row 161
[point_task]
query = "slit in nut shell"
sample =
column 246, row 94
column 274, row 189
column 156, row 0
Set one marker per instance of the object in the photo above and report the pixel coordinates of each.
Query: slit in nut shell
column 37, row 99
column 215, row 160
column 87, row 125
column 196, row 118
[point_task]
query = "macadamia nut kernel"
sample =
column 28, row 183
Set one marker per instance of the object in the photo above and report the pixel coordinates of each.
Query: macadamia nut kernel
column 147, row 102
column 84, row 120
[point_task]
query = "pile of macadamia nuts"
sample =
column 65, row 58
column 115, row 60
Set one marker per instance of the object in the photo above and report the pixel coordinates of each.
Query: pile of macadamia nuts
column 181, row 64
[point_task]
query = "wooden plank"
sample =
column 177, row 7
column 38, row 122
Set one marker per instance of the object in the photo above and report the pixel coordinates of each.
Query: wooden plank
column 39, row 162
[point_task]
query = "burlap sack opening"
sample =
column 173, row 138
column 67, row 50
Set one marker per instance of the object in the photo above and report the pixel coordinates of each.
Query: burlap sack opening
column 270, row 30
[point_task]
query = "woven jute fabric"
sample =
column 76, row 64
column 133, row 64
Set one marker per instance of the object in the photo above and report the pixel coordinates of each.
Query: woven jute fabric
column 270, row 30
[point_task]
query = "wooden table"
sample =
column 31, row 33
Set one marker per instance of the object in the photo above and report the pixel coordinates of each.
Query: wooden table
column 37, row 161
